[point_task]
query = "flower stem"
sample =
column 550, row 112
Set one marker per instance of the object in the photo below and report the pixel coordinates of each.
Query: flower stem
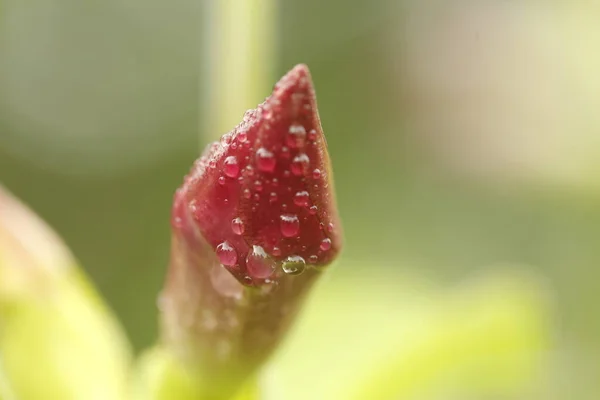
column 240, row 58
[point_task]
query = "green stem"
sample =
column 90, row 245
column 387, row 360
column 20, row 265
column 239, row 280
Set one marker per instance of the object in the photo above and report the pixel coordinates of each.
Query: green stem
column 240, row 58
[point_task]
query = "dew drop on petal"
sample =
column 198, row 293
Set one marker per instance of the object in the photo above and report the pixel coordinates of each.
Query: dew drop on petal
column 258, row 185
column 312, row 135
column 221, row 180
column 312, row 210
column 231, row 168
column 247, row 193
column 285, row 152
column 273, row 197
column 296, row 136
column 293, row 265
column 290, row 225
column 325, row 244
column 259, row 264
column 301, row 199
column 265, row 160
column 242, row 137
column 237, row 226
column 300, row 164
column 276, row 251
column 313, row 259
column 330, row 227
column 227, row 254
column 316, row 174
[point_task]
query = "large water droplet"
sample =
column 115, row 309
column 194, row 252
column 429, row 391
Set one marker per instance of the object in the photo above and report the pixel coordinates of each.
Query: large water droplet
column 296, row 136
column 290, row 225
column 227, row 254
column 265, row 160
column 259, row 264
column 237, row 226
column 294, row 265
column 325, row 244
column 231, row 168
column 301, row 199
column 300, row 164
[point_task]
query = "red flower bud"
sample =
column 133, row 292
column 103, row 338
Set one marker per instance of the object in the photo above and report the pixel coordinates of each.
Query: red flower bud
column 258, row 206
column 262, row 197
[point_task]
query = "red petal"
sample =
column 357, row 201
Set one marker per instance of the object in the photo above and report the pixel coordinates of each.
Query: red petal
column 262, row 197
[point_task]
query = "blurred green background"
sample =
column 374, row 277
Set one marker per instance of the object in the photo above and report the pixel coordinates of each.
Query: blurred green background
column 464, row 136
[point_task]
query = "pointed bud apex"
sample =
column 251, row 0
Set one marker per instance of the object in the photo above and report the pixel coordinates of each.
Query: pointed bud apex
column 265, row 184
column 256, row 210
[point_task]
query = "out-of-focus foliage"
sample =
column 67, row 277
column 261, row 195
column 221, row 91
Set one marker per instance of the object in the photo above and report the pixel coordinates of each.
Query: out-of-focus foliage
column 411, row 339
column 56, row 338
column 462, row 133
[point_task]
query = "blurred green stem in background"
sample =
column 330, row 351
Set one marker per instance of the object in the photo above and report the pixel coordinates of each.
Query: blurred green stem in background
column 240, row 59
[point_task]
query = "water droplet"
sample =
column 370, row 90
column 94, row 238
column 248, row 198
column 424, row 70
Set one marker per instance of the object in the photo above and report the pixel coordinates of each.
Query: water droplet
column 256, row 196
column 290, row 225
column 258, row 186
column 247, row 193
column 276, row 251
column 221, row 180
column 265, row 160
column 212, row 163
column 294, row 265
column 325, row 244
column 227, row 254
column 316, row 174
column 259, row 264
column 249, row 171
column 313, row 259
column 273, row 197
column 312, row 210
column 226, row 138
column 247, row 280
column 312, row 135
column 286, row 173
column 234, row 146
column 237, row 226
column 231, row 168
column 242, row 137
column 300, row 164
column 301, row 199
column 178, row 222
column 296, row 136
column 275, row 182
column 285, row 152
column 330, row 227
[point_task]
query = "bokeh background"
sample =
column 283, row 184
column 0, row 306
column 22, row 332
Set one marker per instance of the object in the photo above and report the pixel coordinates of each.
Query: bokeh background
column 464, row 136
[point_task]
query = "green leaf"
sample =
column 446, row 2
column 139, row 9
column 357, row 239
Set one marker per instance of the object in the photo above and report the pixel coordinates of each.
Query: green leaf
column 404, row 338
column 57, row 339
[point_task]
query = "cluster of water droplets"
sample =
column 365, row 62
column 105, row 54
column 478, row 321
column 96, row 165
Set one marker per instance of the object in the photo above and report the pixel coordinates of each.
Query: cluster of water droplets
column 260, row 184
